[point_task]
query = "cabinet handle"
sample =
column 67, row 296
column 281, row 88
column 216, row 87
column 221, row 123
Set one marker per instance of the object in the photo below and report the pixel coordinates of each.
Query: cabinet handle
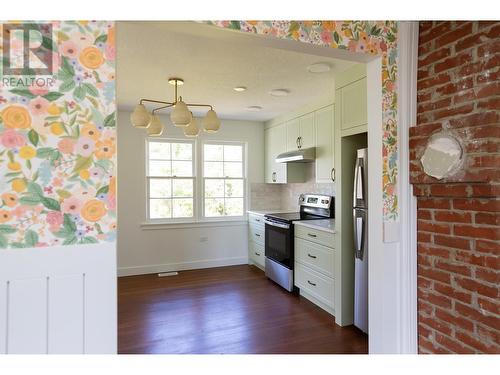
column 332, row 174
column 258, row 254
column 258, row 235
column 297, row 142
column 311, row 283
column 274, row 177
column 311, row 235
column 257, row 220
column 312, row 256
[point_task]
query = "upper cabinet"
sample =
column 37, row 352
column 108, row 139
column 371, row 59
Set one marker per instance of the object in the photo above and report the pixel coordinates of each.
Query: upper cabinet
column 300, row 132
column 351, row 100
column 314, row 129
column 323, row 120
column 292, row 134
column 275, row 144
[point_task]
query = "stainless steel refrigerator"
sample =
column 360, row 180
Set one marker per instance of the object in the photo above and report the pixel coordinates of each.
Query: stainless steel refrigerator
column 360, row 218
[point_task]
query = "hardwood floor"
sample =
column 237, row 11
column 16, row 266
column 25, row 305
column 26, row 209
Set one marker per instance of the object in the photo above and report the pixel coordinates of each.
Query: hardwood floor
column 224, row 310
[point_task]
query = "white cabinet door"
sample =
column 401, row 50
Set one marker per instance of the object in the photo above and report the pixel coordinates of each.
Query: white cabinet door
column 292, row 134
column 354, row 105
column 278, row 145
column 275, row 144
column 324, row 144
column 268, row 152
column 306, row 137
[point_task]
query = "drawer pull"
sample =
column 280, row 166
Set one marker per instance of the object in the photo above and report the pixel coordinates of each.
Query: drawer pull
column 258, row 254
column 257, row 220
column 257, row 234
column 311, row 283
column 311, row 235
column 311, row 256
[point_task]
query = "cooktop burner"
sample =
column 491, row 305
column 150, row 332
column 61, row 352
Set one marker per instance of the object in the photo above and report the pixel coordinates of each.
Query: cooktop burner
column 292, row 216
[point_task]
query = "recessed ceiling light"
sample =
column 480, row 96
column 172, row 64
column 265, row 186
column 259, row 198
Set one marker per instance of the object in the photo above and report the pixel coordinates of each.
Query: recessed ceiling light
column 239, row 88
column 254, row 108
column 319, row 68
column 279, row 92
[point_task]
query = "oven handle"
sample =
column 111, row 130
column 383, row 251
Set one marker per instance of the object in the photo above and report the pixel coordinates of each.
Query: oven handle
column 279, row 225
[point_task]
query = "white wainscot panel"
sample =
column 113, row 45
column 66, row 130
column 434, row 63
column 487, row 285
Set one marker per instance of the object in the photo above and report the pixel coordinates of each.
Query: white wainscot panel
column 58, row 300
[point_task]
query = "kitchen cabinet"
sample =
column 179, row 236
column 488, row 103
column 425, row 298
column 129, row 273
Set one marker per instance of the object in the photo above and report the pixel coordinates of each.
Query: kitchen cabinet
column 292, row 134
column 318, row 274
column 351, row 100
column 256, row 240
column 323, row 120
column 275, row 144
column 300, row 132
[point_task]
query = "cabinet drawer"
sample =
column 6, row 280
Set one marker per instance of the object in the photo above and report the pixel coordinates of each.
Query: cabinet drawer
column 315, row 256
column 256, row 220
column 256, row 233
column 314, row 283
column 314, row 235
column 256, row 253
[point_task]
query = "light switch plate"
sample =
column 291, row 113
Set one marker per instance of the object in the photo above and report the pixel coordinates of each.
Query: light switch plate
column 392, row 231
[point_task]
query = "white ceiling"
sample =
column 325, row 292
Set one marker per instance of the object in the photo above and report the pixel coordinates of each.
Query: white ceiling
column 212, row 61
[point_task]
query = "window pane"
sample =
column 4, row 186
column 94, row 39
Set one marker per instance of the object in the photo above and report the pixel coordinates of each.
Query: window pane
column 182, row 207
column 160, row 188
column 160, row 208
column 233, row 153
column 214, row 188
column 159, row 150
column 234, row 207
column 213, row 169
column 182, row 151
column 182, row 168
column 234, row 188
column 160, row 168
column 213, row 152
column 233, row 169
column 182, row 188
column 214, row 207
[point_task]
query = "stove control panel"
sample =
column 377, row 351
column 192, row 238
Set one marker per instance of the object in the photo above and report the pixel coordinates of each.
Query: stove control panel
column 316, row 200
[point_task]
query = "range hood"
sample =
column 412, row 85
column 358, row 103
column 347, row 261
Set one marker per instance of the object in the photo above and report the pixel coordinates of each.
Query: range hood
column 305, row 155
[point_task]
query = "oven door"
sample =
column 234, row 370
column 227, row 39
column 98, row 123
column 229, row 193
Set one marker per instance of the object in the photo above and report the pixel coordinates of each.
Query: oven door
column 279, row 243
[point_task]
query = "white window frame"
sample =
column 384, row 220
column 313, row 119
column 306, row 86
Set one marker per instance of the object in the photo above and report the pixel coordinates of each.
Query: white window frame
column 194, row 177
column 244, row 178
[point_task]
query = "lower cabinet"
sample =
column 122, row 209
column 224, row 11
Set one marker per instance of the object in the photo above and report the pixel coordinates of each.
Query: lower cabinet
column 256, row 254
column 256, row 240
column 314, row 271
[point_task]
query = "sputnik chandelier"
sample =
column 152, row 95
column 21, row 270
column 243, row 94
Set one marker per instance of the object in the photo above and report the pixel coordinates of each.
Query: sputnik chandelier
column 180, row 116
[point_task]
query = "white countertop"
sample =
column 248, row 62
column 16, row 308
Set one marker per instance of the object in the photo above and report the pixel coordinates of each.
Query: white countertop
column 326, row 225
column 265, row 212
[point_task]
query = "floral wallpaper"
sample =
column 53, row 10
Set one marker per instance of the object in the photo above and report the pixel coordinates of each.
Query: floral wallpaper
column 371, row 37
column 58, row 143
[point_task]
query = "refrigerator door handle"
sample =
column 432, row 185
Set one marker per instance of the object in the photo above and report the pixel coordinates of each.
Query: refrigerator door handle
column 359, row 184
column 359, row 233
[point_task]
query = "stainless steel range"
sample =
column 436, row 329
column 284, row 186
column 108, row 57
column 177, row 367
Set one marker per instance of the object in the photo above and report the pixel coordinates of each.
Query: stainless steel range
column 279, row 247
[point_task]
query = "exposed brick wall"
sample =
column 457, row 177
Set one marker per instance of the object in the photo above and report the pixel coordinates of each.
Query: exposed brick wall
column 459, row 217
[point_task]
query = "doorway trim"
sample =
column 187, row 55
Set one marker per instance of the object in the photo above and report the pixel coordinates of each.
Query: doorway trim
column 407, row 93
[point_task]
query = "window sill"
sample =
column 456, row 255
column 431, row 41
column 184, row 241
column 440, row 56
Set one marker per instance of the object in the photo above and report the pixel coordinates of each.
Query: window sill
column 193, row 224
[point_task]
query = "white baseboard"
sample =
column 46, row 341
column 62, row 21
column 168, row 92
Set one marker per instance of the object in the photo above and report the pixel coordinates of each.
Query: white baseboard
column 183, row 266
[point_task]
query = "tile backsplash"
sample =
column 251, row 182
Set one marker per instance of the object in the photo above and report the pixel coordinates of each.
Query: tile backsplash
column 286, row 196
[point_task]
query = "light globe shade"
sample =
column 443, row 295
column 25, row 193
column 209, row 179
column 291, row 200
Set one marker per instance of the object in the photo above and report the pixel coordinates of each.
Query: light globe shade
column 180, row 115
column 211, row 122
column 192, row 130
column 155, row 128
column 140, row 118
